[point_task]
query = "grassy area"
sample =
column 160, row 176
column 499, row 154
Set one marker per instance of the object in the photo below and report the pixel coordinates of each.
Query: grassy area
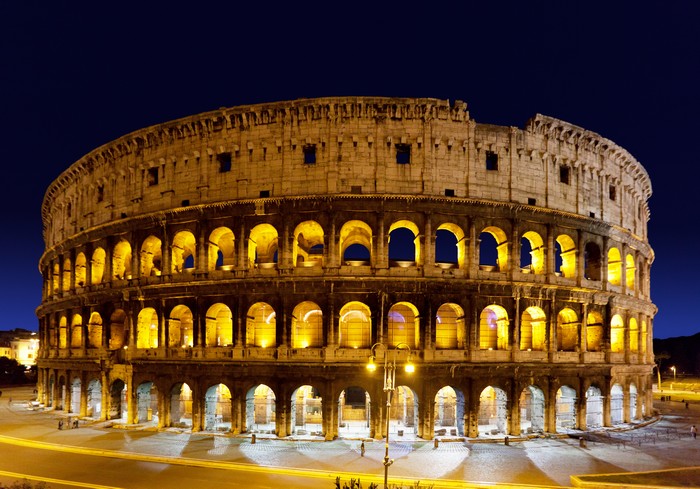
column 663, row 478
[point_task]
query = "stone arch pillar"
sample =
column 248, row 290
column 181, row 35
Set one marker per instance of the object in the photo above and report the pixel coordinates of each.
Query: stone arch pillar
column 514, row 408
column 550, row 411
column 283, row 410
column 472, row 415
column 329, row 409
column 238, row 406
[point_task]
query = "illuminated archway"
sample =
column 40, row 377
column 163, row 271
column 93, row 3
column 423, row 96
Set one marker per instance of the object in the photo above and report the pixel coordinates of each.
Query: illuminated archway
column 566, row 408
column 94, row 399
column 493, row 249
column 98, row 265
column 67, row 272
column 594, row 331
column 450, row 246
column 630, row 272
column 533, row 328
column 404, row 244
column 219, row 326
column 181, row 406
column 594, row 407
column 260, row 410
column 180, row 327
column 147, row 328
column 183, row 252
column 634, row 335
column 261, row 326
column 94, row 331
column 308, row 246
column 403, row 324
column 147, row 403
column 262, row 246
column 307, row 411
column 449, row 412
column 354, row 408
column 567, row 330
column 76, row 331
column 121, row 260
column 616, row 404
column 355, row 326
column 222, row 249
column 532, row 410
column 617, row 334
column 614, row 266
column 592, row 261
column 307, row 326
column 493, row 412
column 355, row 243
column 151, row 254
column 80, row 270
column 449, row 327
column 493, row 328
column 535, row 263
column 217, row 408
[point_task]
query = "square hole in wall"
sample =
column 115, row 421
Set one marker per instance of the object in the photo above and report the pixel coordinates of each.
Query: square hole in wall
column 264, row 193
column 531, row 201
column 449, row 192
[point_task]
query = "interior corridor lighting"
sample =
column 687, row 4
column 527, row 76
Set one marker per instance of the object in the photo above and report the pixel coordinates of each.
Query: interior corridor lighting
column 389, row 387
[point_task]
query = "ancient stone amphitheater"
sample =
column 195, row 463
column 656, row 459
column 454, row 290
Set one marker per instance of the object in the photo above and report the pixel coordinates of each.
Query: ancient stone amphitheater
column 236, row 271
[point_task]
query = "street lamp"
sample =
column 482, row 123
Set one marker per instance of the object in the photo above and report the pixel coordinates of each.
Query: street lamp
column 389, row 387
column 674, row 373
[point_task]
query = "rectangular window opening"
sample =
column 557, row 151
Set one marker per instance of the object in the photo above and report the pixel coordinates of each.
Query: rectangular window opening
column 152, row 176
column 612, row 192
column 264, row 193
column 449, row 192
column 564, row 174
column 224, row 160
column 403, row 154
column 356, row 189
column 531, row 201
column 491, row 161
column 309, row 154
column 592, row 214
column 185, row 202
column 100, row 193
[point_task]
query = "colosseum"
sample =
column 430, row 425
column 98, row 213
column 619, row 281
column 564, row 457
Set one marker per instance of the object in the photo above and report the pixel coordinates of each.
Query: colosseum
column 237, row 271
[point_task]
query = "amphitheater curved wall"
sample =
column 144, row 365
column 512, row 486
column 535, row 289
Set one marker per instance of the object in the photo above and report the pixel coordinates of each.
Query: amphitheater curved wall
column 283, row 244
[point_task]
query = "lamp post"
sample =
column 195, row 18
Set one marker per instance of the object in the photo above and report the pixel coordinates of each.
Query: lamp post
column 389, row 387
column 674, row 373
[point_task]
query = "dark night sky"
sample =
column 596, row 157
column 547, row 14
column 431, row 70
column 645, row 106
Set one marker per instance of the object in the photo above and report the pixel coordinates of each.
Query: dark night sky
column 75, row 76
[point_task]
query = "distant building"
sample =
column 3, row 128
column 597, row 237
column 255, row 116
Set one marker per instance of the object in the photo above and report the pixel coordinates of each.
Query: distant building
column 21, row 345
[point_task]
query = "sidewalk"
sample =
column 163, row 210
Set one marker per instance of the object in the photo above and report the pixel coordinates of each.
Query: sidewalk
column 539, row 462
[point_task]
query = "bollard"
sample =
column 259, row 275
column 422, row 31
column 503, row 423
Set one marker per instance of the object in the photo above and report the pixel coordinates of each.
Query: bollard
column 252, row 438
column 435, row 444
column 362, row 449
column 506, row 441
column 582, row 442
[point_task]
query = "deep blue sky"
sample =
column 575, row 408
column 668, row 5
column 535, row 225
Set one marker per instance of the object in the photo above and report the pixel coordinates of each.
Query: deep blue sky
column 74, row 77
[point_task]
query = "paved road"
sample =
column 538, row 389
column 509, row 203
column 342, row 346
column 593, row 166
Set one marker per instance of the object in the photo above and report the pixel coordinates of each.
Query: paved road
column 146, row 455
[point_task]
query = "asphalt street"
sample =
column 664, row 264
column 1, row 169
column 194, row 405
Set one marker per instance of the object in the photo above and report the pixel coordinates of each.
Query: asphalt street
column 662, row 443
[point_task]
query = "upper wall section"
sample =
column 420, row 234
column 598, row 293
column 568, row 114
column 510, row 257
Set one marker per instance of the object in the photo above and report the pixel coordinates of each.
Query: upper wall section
column 342, row 145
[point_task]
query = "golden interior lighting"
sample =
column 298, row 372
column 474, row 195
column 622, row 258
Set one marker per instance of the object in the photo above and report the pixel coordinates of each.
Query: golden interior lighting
column 371, row 366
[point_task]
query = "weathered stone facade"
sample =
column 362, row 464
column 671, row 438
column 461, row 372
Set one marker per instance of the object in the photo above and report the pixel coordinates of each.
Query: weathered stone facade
column 187, row 264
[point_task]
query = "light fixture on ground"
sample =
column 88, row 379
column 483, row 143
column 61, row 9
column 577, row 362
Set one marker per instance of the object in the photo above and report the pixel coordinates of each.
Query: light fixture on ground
column 389, row 387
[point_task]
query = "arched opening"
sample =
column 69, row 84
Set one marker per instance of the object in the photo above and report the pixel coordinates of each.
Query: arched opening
column 308, row 244
column 565, row 256
column 449, row 238
column 531, row 405
column 261, row 326
column 633, row 402
column 493, row 413
column 221, row 252
column 404, row 244
column 616, row 404
column 95, row 331
column 617, row 334
column 307, row 412
column 591, row 261
column 449, row 327
column 98, row 265
column 180, row 327
column 355, row 243
column 147, row 403
column 260, row 410
column 594, row 407
column 449, row 412
column 354, row 409
column 121, row 261
column 67, row 272
column 493, row 328
column 532, row 258
column 75, row 395
column 181, row 406
column 217, row 408
column 634, row 336
column 403, row 324
column 219, row 325
column 355, row 326
column 117, row 400
column 183, row 252
column 151, row 257
column 307, row 326
column 80, row 270
column 493, row 250
column 76, row 331
column 147, row 329
column 55, row 278
column 94, row 399
column 567, row 330
column 533, row 327
column 262, row 246
column 566, row 408
column 403, row 417
column 614, row 267
column 630, row 272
